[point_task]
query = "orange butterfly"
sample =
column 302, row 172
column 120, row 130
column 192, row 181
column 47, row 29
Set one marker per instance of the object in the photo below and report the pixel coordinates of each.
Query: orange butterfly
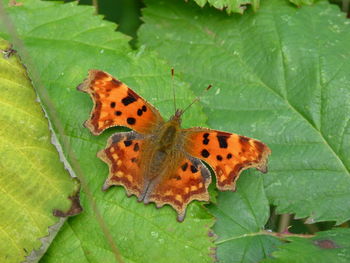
column 159, row 161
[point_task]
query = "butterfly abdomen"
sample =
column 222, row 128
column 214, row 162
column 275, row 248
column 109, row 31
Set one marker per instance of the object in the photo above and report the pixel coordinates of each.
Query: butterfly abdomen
column 163, row 148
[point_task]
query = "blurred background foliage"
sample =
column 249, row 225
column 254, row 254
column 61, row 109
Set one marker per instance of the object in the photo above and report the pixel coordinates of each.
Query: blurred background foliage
column 127, row 13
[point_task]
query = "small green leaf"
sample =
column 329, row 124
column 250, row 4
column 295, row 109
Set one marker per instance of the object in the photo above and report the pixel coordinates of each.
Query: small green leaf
column 241, row 217
column 239, row 6
column 303, row 2
column 33, row 180
column 326, row 246
column 280, row 75
column 231, row 6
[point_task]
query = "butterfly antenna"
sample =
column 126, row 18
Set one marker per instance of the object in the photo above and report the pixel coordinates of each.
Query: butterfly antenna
column 172, row 85
column 197, row 98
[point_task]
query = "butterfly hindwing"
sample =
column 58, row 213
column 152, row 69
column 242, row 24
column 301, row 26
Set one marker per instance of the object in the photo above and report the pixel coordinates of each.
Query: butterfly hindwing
column 122, row 155
column 189, row 181
column 117, row 105
column 227, row 153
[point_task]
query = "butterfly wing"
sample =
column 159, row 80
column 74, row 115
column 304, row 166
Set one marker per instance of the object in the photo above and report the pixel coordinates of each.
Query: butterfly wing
column 117, row 105
column 122, row 155
column 177, row 187
column 227, row 153
column 189, row 181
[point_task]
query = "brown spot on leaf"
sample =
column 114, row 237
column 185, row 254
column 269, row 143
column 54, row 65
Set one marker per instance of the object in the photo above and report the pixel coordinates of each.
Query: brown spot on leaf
column 325, row 244
column 73, row 210
column 15, row 3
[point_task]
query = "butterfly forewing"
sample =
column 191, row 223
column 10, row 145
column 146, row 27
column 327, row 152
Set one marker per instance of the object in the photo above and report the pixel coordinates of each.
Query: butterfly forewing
column 117, row 105
column 227, row 153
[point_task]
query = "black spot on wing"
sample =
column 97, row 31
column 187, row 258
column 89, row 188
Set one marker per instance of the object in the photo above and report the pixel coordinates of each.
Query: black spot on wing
column 131, row 120
column 193, row 169
column 177, row 177
column 222, row 139
column 127, row 143
column 219, row 157
column 136, row 147
column 229, row 156
column 118, row 113
column 205, row 153
column 205, row 141
column 184, row 167
column 129, row 99
column 205, row 138
column 139, row 112
column 112, row 104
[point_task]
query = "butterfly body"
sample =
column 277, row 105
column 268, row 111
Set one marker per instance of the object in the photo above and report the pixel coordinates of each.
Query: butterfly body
column 159, row 161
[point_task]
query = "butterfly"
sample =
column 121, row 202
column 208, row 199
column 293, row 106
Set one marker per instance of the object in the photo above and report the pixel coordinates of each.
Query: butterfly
column 158, row 161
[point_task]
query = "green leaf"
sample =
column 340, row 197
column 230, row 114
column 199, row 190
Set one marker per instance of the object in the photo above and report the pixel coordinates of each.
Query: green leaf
column 33, row 180
column 239, row 6
column 303, row 2
column 63, row 41
column 326, row 246
column 241, row 217
column 231, row 6
column 280, row 75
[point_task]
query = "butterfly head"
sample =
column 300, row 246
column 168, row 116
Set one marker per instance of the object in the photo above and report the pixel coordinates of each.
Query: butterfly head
column 177, row 116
